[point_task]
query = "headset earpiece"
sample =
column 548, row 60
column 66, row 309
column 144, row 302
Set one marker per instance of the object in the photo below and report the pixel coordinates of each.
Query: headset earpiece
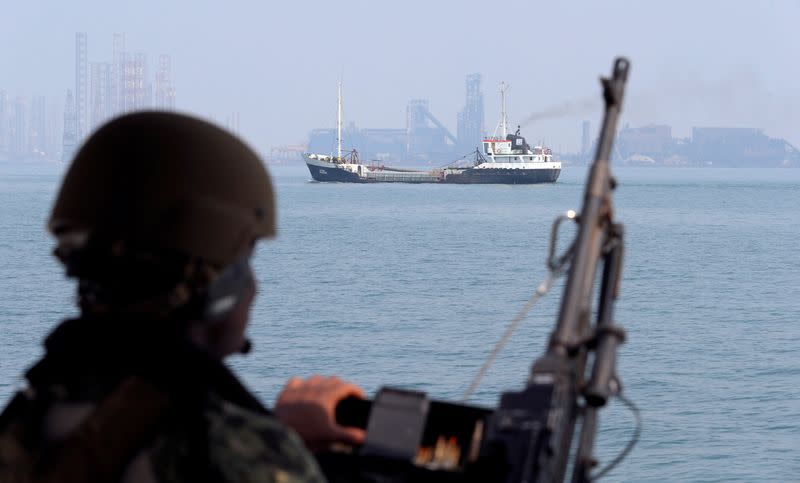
column 225, row 292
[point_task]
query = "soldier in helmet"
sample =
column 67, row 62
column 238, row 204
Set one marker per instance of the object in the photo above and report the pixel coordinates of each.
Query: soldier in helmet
column 156, row 219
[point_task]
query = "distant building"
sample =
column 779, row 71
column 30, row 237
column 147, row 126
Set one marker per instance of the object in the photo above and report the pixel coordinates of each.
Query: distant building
column 233, row 123
column 24, row 127
column 164, row 92
column 738, row 147
column 428, row 139
column 323, row 141
column 652, row 141
column 134, row 88
column 286, row 153
column 380, row 145
column 70, row 137
column 38, row 127
column 102, row 90
column 100, row 98
column 81, row 85
column 142, row 93
column 55, row 118
column 470, row 120
column 19, row 133
column 708, row 146
column 384, row 145
column 4, row 120
column 117, row 69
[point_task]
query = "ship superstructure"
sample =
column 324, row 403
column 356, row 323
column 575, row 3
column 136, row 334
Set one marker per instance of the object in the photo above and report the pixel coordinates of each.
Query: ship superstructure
column 507, row 158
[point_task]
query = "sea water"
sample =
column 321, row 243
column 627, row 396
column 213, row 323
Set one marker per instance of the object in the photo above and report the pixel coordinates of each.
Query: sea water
column 411, row 286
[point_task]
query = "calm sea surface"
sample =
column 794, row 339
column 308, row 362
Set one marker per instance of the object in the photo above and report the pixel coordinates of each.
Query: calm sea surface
column 411, row 285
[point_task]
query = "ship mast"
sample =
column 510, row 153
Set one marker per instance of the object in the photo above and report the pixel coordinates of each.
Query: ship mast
column 339, row 124
column 503, row 113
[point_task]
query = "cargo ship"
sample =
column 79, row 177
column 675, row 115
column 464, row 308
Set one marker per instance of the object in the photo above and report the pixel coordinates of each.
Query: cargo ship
column 503, row 159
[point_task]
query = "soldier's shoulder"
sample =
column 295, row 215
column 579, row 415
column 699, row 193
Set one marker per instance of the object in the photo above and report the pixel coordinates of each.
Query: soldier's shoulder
column 248, row 446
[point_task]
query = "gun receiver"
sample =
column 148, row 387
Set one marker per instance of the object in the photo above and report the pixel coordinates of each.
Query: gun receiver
column 527, row 438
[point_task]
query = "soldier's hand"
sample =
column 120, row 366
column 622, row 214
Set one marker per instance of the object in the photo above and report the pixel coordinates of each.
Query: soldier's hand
column 309, row 407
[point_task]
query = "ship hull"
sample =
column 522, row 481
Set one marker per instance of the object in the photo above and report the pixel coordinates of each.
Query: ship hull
column 325, row 171
column 322, row 170
column 504, row 176
column 332, row 173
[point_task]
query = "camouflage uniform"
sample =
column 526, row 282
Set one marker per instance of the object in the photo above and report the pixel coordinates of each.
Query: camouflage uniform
column 243, row 446
column 213, row 429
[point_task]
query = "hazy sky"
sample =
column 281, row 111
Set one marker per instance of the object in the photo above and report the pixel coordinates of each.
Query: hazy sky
column 695, row 63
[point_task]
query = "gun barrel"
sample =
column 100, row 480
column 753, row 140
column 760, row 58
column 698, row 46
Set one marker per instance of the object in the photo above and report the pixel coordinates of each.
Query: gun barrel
column 595, row 219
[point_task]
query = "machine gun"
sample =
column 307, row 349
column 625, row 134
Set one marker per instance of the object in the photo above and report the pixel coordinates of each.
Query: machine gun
column 528, row 437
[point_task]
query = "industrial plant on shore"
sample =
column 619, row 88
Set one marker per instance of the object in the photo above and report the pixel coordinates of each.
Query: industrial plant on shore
column 425, row 141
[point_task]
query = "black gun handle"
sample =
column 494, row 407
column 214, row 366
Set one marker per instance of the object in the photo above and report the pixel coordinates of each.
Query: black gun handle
column 354, row 412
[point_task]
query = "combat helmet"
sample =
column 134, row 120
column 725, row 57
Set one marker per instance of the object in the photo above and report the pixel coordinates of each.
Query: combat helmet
column 151, row 196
